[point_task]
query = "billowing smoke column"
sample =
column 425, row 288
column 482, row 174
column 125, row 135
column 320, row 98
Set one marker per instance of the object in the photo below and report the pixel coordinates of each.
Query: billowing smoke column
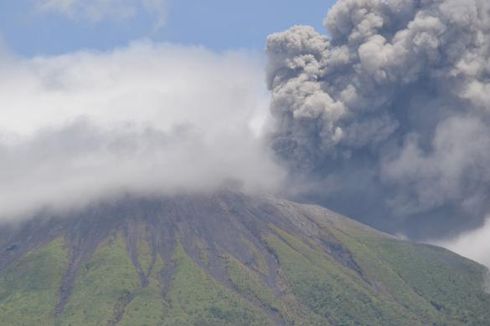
column 387, row 118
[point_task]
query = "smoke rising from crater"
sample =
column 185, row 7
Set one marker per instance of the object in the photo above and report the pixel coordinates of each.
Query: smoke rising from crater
column 386, row 116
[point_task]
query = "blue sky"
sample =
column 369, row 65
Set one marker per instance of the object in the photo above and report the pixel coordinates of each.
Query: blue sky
column 29, row 29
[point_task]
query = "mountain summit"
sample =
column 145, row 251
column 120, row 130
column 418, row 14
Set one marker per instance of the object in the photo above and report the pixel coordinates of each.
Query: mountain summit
column 227, row 259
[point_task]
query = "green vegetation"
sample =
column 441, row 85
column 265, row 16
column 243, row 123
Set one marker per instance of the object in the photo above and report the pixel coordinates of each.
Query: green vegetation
column 252, row 286
column 327, row 289
column 103, row 285
column 147, row 308
column 345, row 274
column 197, row 299
column 29, row 287
column 451, row 284
column 144, row 250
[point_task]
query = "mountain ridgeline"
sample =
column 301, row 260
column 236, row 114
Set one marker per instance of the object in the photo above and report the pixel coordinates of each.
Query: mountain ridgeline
column 227, row 259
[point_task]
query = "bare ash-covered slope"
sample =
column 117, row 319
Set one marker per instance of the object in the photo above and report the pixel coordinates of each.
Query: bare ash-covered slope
column 227, row 259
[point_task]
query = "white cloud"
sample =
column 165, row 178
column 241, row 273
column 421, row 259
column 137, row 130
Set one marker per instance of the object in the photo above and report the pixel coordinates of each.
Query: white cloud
column 146, row 118
column 473, row 244
column 98, row 10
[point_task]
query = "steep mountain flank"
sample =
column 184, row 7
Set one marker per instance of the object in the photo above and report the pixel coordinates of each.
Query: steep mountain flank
column 227, row 259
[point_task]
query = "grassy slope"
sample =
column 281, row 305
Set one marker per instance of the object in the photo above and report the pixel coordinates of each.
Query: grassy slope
column 401, row 284
column 250, row 284
column 102, row 284
column 452, row 285
column 196, row 299
column 329, row 290
column 147, row 308
column 29, row 287
column 434, row 285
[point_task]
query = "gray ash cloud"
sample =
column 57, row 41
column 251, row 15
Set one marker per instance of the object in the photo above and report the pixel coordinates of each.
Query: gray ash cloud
column 386, row 116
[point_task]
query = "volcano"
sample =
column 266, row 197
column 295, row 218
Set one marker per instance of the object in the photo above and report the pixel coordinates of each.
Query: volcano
column 227, row 258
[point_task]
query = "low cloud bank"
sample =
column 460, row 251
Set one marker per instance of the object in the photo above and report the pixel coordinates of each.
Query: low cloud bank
column 473, row 244
column 144, row 119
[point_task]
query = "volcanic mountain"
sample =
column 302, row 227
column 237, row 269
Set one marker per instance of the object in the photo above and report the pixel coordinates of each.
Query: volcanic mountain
column 227, row 259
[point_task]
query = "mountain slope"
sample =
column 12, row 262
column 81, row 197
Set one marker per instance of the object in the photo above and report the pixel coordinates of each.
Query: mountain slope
column 227, row 259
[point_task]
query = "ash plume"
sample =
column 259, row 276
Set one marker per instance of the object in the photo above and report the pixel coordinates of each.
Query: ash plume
column 385, row 117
